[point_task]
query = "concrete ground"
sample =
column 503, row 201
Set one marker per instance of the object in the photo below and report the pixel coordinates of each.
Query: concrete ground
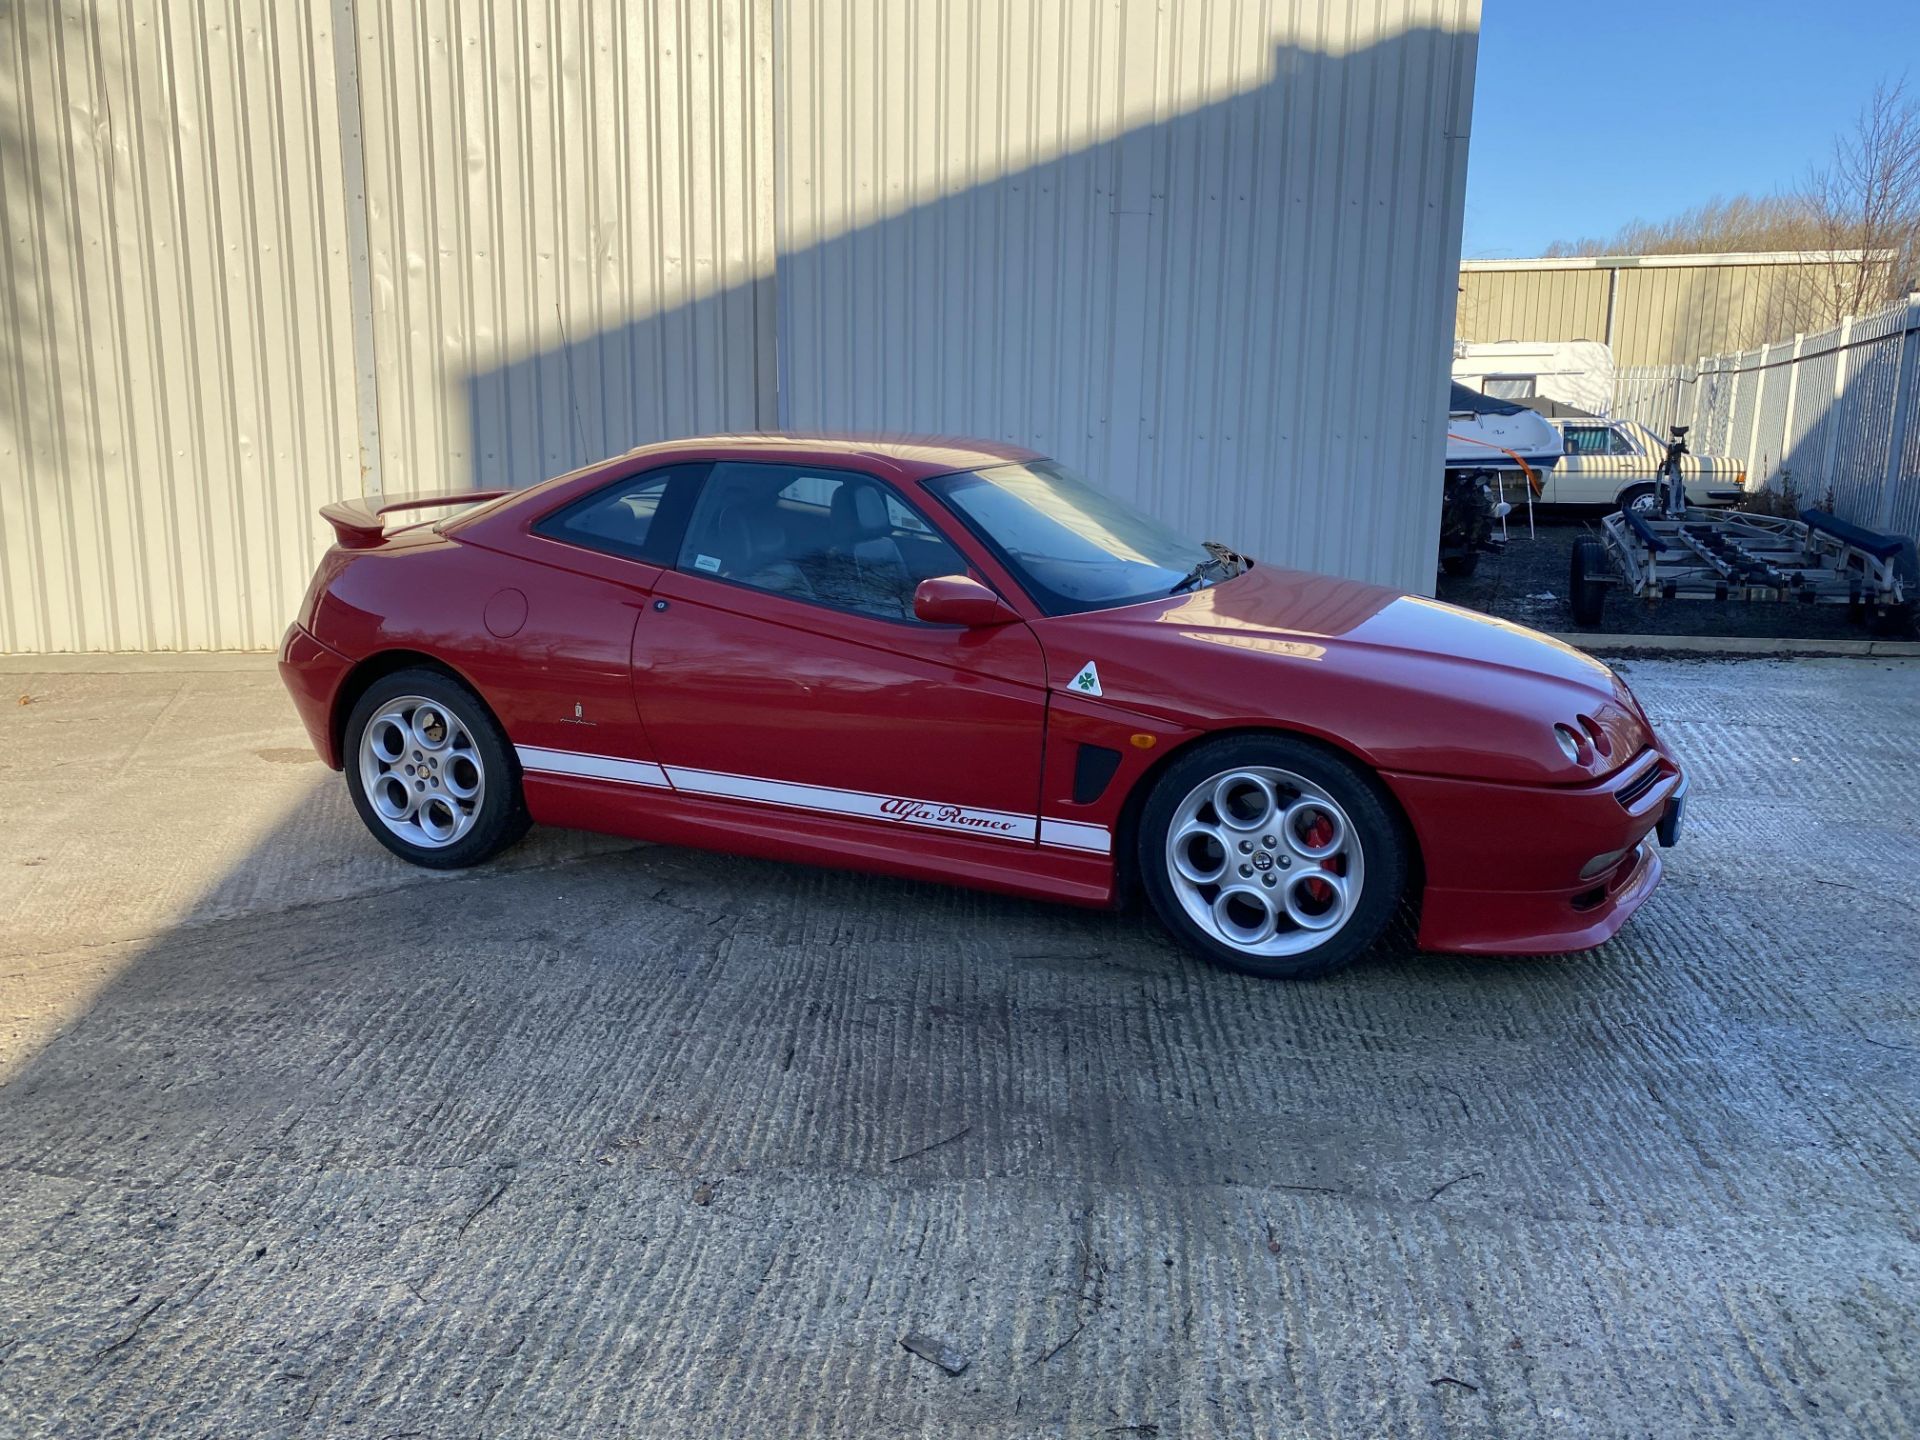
column 296, row 1140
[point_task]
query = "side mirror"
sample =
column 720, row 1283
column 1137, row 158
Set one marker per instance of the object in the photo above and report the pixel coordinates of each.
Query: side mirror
column 959, row 600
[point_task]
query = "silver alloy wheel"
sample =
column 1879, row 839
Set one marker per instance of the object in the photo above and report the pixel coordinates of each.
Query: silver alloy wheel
column 422, row 772
column 1265, row 860
column 1646, row 504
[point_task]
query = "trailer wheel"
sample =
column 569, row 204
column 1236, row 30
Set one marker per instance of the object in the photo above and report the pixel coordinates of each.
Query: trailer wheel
column 1587, row 581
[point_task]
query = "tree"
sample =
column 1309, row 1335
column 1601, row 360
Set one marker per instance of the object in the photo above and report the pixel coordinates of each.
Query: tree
column 1722, row 224
column 1867, row 197
column 1863, row 203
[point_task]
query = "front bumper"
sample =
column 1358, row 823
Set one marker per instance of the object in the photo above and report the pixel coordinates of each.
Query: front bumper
column 1504, row 863
column 1668, row 826
column 312, row 674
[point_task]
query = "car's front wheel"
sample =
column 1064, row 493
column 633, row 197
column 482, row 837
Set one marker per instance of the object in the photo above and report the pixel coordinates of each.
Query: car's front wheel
column 1272, row 855
column 430, row 771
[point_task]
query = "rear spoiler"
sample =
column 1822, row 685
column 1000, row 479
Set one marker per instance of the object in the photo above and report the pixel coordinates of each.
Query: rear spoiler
column 361, row 524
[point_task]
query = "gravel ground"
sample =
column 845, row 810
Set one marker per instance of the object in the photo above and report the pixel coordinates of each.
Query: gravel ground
column 602, row 1140
column 1527, row 584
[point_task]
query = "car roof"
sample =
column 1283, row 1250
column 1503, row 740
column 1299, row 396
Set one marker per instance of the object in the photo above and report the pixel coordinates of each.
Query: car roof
column 902, row 457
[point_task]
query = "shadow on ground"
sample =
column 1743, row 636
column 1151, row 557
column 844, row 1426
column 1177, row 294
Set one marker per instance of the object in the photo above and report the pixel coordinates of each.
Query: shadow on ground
column 655, row 1142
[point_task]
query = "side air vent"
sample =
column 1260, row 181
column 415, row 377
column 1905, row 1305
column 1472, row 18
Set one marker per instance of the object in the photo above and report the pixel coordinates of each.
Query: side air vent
column 1093, row 771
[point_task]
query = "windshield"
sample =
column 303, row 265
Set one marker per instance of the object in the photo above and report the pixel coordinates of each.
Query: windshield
column 1073, row 547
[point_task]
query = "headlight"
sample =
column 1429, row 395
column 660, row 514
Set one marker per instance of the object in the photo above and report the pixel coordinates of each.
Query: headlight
column 1585, row 742
column 1574, row 744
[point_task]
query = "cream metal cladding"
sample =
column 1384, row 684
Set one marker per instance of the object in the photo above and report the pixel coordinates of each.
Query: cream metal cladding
column 569, row 225
column 176, row 354
column 1652, row 309
column 260, row 256
column 1203, row 252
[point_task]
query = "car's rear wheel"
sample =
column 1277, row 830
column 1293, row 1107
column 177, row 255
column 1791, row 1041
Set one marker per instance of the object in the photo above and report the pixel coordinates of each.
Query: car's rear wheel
column 1271, row 855
column 1641, row 500
column 430, row 771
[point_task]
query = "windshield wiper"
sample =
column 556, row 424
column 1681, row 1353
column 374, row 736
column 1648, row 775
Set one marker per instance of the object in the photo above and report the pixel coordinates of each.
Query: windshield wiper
column 1193, row 577
column 1217, row 555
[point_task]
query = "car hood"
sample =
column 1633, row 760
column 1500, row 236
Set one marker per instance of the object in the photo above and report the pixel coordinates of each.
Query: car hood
column 1409, row 682
column 1268, row 603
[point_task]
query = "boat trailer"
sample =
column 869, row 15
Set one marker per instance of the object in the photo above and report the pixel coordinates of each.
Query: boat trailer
column 1674, row 551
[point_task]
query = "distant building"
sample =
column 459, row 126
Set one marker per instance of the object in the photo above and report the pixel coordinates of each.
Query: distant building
column 1651, row 309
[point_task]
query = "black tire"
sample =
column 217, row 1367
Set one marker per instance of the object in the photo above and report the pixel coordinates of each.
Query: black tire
column 500, row 816
column 1382, row 841
column 1634, row 494
column 1587, row 581
column 1461, row 566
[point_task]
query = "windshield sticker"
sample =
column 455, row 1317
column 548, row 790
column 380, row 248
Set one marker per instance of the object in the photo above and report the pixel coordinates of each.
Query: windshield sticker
column 1087, row 682
column 707, row 562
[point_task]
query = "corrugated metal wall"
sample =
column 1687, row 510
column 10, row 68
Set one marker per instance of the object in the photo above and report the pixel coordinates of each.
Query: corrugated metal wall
column 569, row 230
column 1202, row 252
column 1532, row 305
column 176, row 351
column 262, row 256
column 1661, row 313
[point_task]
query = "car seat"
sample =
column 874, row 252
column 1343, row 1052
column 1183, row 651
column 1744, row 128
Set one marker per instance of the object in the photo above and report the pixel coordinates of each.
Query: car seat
column 752, row 546
column 863, row 535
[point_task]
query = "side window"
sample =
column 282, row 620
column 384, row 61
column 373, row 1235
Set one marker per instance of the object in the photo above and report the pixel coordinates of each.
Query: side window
column 1587, row 440
column 625, row 518
column 828, row 536
column 1622, row 443
column 1510, row 387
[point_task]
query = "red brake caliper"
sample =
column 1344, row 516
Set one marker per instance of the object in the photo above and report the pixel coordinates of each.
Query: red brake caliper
column 1318, row 833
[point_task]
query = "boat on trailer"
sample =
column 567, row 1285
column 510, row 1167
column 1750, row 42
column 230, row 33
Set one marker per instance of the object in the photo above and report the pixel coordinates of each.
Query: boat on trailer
column 1489, row 440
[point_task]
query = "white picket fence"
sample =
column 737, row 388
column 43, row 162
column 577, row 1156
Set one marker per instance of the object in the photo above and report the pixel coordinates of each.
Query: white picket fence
column 1833, row 412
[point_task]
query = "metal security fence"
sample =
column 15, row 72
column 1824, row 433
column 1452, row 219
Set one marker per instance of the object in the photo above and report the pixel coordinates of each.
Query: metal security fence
column 1829, row 416
column 1654, row 394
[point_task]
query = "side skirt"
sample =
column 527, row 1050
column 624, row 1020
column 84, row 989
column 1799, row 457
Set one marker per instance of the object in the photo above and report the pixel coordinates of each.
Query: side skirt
column 671, row 817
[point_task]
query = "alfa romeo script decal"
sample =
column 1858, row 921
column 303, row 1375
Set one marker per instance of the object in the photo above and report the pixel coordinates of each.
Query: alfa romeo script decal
column 922, row 812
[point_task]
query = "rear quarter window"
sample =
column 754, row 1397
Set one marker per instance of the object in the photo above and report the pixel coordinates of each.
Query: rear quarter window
column 625, row 518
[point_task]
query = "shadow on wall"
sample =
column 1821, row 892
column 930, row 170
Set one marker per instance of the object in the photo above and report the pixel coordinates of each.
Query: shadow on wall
column 1238, row 317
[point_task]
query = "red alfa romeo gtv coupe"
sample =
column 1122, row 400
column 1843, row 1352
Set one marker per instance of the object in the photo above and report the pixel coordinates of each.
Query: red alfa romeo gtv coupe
column 958, row 662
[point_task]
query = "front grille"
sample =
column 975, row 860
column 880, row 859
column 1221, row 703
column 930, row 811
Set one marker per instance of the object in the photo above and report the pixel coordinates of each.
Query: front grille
column 1635, row 790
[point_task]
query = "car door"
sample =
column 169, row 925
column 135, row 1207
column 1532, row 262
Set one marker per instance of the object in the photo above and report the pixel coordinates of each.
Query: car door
column 780, row 664
column 1581, row 477
column 557, row 659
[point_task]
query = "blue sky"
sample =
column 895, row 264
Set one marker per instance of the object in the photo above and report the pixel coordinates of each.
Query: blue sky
column 1587, row 116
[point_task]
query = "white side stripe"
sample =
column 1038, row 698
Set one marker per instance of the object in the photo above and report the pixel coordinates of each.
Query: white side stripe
column 591, row 767
column 1076, row 835
column 932, row 814
column 996, row 824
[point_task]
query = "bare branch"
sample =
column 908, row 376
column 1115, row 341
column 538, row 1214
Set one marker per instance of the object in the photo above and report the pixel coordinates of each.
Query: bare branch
column 1865, row 197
